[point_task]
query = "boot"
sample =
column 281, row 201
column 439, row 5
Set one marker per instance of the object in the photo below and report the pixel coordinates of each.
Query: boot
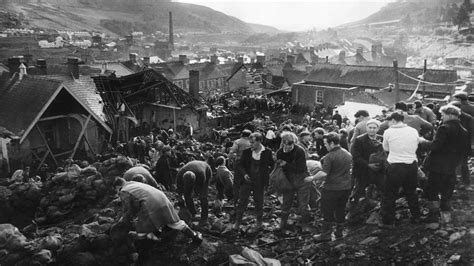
column 325, row 233
column 433, row 215
column 284, row 220
column 338, row 233
column 195, row 236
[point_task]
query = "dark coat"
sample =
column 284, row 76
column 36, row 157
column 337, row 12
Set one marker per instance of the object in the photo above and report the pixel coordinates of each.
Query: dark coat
column 266, row 165
column 361, row 150
column 449, row 146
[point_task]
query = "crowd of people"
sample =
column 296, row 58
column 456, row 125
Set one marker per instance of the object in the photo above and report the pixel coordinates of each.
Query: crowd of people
column 329, row 164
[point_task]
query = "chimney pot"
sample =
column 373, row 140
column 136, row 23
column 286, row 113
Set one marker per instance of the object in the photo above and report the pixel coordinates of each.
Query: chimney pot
column 214, row 59
column 22, row 71
column 183, row 59
column 133, row 57
column 41, row 66
column 73, row 66
column 194, row 83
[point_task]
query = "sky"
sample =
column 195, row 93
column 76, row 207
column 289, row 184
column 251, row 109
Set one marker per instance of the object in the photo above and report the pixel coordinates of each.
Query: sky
column 295, row 15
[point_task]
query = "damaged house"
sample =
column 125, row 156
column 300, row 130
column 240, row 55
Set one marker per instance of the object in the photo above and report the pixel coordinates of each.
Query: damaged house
column 52, row 117
column 146, row 100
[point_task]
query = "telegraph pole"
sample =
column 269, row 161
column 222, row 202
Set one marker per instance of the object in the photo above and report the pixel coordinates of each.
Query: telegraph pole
column 423, row 84
column 397, row 86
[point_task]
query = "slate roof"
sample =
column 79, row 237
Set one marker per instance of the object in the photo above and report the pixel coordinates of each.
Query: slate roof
column 294, row 76
column 22, row 102
column 378, row 77
column 3, row 68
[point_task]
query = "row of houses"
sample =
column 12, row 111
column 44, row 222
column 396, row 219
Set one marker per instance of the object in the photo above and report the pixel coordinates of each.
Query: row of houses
column 51, row 112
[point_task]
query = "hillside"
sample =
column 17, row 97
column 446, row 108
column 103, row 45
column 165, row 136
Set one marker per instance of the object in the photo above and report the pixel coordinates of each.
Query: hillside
column 419, row 11
column 140, row 15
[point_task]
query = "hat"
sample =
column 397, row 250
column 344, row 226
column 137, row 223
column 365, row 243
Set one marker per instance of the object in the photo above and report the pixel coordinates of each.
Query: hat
column 373, row 121
column 286, row 127
column 246, row 132
column 461, row 96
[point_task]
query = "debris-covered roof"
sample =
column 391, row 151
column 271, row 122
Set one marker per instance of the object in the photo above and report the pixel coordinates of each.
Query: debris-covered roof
column 378, row 76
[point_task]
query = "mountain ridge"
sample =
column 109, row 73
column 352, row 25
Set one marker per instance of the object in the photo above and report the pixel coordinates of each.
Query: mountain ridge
column 151, row 15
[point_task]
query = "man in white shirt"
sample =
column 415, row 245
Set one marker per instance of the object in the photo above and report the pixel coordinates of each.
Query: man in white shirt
column 401, row 142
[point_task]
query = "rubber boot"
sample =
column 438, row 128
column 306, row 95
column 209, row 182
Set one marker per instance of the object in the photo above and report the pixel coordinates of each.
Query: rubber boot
column 284, row 220
column 195, row 236
column 325, row 233
column 338, row 233
column 433, row 215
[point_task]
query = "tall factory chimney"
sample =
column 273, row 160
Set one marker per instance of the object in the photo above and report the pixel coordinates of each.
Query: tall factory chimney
column 171, row 37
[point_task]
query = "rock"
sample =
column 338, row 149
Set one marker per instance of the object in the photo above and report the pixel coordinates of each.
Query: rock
column 44, row 256
column 240, row 260
column 253, row 256
column 454, row 258
column 218, row 225
column 441, row 233
column 52, row 242
column 374, row 218
column 432, row 226
column 423, row 240
column 456, row 236
column 11, row 239
column 370, row 240
column 66, row 198
column 340, row 246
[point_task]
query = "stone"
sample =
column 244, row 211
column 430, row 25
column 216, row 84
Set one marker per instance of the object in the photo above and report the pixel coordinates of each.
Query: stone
column 454, row 258
column 370, row 240
column 456, row 236
column 441, row 233
column 239, row 260
column 432, row 226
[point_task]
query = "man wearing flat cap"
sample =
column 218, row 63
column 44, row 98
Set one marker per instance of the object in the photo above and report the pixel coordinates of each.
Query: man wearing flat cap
column 363, row 171
column 465, row 105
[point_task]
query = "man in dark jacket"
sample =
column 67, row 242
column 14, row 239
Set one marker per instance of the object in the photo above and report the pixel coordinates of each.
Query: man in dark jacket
column 467, row 121
column 362, row 170
column 449, row 147
column 257, row 162
column 195, row 177
column 291, row 158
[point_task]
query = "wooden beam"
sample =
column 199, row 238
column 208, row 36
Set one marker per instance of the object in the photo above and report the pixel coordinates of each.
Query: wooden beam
column 84, row 127
column 62, row 153
column 89, row 144
column 42, row 160
column 46, row 143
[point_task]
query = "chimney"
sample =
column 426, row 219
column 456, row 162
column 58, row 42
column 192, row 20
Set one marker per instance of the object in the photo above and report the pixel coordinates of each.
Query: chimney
column 183, row 59
column 28, row 58
column 282, row 56
column 290, row 59
column 13, row 64
column 171, row 37
column 146, row 60
column 22, row 71
column 214, row 59
column 327, row 59
column 133, row 57
column 308, row 68
column 240, row 59
column 194, row 83
column 311, row 50
column 360, row 50
column 252, row 60
column 42, row 67
column 73, row 66
column 261, row 59
column 342, row 56
column 314, row 59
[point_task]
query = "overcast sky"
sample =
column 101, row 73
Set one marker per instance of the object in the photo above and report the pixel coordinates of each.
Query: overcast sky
column 295, row 15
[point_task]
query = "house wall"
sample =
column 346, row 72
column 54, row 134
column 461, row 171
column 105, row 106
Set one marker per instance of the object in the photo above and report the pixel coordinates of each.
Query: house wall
column 306, row 95
column 163, row 117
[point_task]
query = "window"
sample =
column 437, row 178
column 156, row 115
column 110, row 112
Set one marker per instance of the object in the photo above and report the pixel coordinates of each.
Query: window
column 187, row 84
column 319, row 96
column 201, row 85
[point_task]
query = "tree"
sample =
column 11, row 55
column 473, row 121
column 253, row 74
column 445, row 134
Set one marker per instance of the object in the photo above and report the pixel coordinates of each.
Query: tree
column 462, row 17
